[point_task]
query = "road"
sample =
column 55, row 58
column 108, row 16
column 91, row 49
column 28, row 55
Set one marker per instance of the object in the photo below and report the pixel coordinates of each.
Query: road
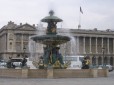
column 62, row 81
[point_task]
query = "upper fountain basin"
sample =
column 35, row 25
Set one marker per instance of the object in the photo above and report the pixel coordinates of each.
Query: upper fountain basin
column 51, row 18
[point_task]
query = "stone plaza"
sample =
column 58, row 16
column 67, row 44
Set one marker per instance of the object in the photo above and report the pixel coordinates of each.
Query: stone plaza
column 61, row 81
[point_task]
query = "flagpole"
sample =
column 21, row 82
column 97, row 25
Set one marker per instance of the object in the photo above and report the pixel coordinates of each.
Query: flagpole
column 80, row 12
column 79, row 25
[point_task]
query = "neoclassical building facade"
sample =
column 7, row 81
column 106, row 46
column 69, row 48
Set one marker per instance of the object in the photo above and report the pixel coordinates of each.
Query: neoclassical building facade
column 97, row 44
column 13, row 38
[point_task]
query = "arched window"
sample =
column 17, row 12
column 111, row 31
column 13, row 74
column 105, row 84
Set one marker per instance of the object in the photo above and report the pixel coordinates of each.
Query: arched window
column 99, row 60
column 105, row 61
column 10, row 45
column 111, row 60
column 93, row 60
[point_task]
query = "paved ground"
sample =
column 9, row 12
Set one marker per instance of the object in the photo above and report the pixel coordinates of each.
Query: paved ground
column 68, row 81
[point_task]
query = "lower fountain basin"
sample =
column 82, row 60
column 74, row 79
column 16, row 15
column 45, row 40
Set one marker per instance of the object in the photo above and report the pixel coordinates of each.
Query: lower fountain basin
column 51, row 39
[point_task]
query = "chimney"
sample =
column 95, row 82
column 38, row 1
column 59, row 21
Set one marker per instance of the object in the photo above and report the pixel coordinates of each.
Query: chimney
column 20, row 24
column 33, row 25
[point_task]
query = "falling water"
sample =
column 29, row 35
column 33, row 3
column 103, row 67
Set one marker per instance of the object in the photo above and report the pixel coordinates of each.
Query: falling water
column 31, row 48
column 32, row 52
column 40, row 29
column 71, row 47
column 36, row 47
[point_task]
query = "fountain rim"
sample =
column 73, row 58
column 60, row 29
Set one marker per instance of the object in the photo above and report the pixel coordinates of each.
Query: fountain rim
column 51, row 18
column 51, row 39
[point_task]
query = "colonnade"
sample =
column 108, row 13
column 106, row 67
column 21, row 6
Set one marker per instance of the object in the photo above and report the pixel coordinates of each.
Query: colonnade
column 96, row 45
column 98, row 57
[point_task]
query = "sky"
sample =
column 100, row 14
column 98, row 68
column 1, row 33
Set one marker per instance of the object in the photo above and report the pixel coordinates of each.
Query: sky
column 96, row 13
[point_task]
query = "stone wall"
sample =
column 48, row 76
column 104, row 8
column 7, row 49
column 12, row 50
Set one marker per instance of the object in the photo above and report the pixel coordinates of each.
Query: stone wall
column 17, row 73
column 72, row 73
column 53, row 73
column 37, row 73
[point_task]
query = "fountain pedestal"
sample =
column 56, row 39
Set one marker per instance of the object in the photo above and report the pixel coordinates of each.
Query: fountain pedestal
column 52, row 57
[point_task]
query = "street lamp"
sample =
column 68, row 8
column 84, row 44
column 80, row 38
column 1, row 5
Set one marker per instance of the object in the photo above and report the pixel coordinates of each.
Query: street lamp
column 94, row 61
column 103, row 54
column 24, row 49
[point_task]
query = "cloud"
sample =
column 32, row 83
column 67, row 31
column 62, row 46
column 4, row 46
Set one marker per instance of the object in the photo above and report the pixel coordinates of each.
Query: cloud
column 97, row 13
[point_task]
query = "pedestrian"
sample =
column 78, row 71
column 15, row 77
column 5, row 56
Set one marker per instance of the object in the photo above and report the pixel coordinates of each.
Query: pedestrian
column 24, row 62
column 85, row 63
column 9, row 63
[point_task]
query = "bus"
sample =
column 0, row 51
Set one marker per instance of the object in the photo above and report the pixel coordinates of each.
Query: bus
column 75, row 61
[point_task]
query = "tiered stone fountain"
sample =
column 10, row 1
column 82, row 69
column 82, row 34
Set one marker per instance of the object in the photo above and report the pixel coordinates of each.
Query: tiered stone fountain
column 51, row 57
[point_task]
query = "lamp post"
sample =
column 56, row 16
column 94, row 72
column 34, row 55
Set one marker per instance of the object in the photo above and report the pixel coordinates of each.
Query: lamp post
column 24, row 49
column 103, row 54
column 94, row 61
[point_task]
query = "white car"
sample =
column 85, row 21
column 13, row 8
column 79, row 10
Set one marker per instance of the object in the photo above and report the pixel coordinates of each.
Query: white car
column 75, row 61
column 17, row 62
column 2, row 63
column 110, row 68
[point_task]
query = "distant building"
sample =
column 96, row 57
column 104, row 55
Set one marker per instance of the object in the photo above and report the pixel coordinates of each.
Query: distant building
column 14, row 38
column 97, row 44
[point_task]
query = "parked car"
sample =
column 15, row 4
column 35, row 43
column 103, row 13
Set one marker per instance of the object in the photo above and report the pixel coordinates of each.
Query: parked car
column 2, row 63
column 110, row 67
column 75, row 61
column 14, row 62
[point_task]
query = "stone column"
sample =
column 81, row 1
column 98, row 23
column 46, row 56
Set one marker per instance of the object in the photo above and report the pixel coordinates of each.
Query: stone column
column 102, row 50
column 90, row 44
column 84, row 45
column 108, row 45
column 22, row 42
column 77, row 44
column 113, row 45
column 14, row 44
column 7, row 42
column 96, row 46
column 102, row 42
column 91, row 60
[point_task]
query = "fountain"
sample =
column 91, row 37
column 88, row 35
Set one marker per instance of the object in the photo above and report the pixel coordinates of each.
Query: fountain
column 51, row 57
column 53, row 65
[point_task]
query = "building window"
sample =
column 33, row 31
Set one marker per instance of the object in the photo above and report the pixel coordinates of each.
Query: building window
column 26, row 46
column 11, row 37
column 111, row 60
column 10, row 45
column 18, row 37
column 18, row 47
column 26, row 37
column 105, row 60
column 99, row 60
column 93, row 60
